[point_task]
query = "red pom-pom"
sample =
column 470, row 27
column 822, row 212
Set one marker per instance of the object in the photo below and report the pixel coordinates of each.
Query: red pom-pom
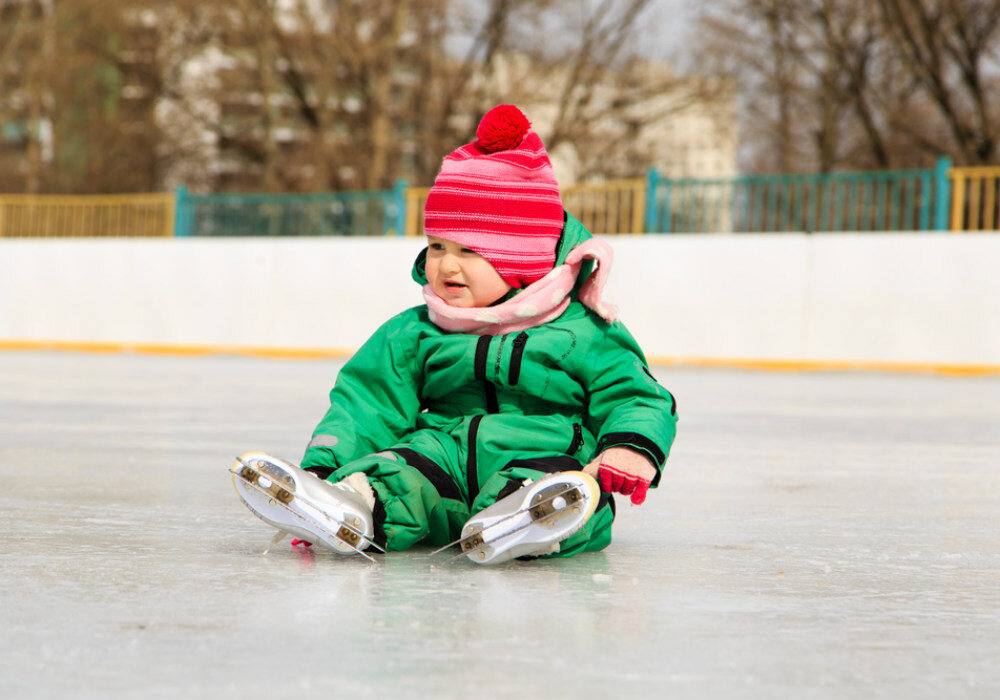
column 503, row 127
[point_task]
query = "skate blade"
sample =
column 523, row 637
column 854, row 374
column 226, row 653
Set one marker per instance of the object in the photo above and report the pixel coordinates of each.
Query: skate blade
column 284, row 493
column 476, row 543
column 541, row 511
column 346, row 533
column 280, row 535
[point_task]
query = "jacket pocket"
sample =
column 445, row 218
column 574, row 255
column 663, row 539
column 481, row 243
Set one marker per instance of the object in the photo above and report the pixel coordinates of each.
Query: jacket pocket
column 516, row 357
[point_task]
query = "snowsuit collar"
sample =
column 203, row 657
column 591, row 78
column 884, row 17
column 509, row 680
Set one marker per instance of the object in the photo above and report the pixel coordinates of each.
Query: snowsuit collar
column 539, row 302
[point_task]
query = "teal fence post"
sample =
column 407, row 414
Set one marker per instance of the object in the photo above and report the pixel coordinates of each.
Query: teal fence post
column 652, row 183
column 926, row 187
column 665, row 213
column 182, row 222
column 399, row 193
column 942, row 194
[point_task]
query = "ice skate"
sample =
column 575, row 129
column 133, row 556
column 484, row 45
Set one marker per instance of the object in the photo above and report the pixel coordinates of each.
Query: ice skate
column 532, row 520
column 299, row 503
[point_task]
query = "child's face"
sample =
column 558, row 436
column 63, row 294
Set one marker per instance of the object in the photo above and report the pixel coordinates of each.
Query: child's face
column 461, row 276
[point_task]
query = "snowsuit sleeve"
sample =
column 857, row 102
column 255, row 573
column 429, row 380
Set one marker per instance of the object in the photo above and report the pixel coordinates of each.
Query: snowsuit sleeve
column 627, row 406
column 374, row 401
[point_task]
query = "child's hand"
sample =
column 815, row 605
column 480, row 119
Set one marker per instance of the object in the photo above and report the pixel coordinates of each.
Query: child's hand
column 624, row 471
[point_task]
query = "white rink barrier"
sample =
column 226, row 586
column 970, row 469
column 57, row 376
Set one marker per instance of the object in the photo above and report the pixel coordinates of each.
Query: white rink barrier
column 900, row 299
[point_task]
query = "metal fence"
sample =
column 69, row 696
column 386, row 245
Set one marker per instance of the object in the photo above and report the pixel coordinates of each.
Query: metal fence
column 416, row 199
column 975, row 201
column 933, row 199
column 368, row 213
column 51, row 216
column 615, row 206
column 864, row 201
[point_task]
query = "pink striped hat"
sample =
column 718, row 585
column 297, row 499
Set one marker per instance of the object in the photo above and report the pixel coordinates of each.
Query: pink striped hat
column 499, row 197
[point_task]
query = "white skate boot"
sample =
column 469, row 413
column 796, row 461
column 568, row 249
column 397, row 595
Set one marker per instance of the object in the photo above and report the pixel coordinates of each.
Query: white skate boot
column 337, row 516
column 532, row 520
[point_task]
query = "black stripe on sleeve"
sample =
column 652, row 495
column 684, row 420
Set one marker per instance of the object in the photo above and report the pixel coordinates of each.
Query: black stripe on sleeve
column 640, row 442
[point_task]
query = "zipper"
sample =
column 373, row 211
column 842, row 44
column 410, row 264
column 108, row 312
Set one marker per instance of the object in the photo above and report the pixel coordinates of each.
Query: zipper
column 515, row 358
column 577, row 439
column 479, row 370
column 471, row 465
column 482, row 351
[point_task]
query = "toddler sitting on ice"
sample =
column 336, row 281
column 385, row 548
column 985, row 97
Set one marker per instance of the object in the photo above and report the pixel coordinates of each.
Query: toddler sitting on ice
column 505, row 410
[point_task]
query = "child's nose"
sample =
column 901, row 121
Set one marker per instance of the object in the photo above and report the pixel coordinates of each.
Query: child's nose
column 449, row 263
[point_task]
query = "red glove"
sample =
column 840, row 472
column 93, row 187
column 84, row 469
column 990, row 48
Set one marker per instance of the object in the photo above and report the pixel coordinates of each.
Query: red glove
column 623, row 470
column 296, row 542
column 616, row 481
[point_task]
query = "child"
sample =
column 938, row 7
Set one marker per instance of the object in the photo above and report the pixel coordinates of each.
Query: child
column 488, row 412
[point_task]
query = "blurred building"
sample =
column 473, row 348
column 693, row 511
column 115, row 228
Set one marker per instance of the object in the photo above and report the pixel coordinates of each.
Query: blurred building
column 642, row 115
column 278, row 108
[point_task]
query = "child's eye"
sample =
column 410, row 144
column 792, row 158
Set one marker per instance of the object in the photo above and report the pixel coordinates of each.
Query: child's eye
column 436, row 246
column 469, row 250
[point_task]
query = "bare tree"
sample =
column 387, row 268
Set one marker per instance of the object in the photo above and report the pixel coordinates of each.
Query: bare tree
column 306, row 95
column 79, row 82
column 577, row 67
column 320, row 89
column 947, row 47
column 758, row 44
column 27, row 46
column 850, row 84
column 13, row 36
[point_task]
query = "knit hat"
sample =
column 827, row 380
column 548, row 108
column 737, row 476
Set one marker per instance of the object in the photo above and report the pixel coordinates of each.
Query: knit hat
column 499, row 197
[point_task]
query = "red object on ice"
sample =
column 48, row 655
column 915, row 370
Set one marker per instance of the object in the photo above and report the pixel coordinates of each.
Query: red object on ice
column 296, row 542
column 502, row 128
column 616, row 481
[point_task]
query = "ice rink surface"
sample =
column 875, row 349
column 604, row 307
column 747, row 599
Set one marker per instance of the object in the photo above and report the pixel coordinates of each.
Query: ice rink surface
column 816, row 535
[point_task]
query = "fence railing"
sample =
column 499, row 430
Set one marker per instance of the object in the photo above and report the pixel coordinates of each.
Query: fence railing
column 933, row 199
column 863, row 201
column 618, row 206
column 122, row 215
column 370, row 213
column 975, row 201
column 416, row 199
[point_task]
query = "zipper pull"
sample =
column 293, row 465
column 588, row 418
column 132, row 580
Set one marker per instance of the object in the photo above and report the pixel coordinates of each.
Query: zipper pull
column 517, row 351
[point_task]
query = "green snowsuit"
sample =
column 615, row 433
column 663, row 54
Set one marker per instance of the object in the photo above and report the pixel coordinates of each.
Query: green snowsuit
column 443, row 424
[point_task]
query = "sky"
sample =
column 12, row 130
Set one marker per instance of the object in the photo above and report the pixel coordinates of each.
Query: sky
column 664, row 30
column 668, row 25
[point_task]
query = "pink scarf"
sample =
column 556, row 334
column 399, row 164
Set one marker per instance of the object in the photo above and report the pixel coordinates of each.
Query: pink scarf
column 538, row 303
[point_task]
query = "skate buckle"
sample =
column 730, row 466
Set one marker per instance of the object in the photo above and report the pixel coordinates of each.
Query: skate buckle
column 264, row 483
column 473, row 542
column 349, row 536
column 552, row 500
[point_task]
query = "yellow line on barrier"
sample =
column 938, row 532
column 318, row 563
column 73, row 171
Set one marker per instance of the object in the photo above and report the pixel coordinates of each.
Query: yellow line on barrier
column 175, row 350
column 949, row 369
